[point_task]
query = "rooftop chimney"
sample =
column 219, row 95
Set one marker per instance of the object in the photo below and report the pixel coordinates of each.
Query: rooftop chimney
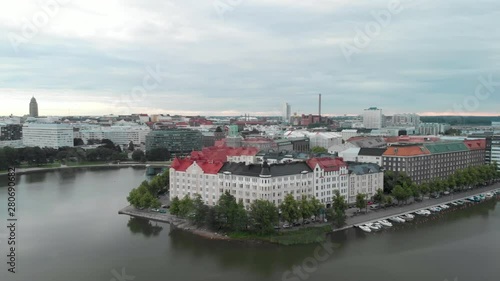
column 319, row 111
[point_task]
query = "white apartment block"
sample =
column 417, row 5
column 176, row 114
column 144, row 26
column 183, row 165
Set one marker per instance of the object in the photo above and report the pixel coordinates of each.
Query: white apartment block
column 366, row 179
column 47, row 135
column 349, row 133
column 405, row 119
column 318, row 177
column 324, row 139
column 373, row 118
column 120, row 135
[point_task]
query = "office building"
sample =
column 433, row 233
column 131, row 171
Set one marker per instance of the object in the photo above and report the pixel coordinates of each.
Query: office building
column 48, row 135
column 177, row 141
column 10, row 132
column 33, row 107
column 287, row 112
column 373, row 118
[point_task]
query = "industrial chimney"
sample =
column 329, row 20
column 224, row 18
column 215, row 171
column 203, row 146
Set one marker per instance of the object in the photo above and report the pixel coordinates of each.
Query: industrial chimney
column 319, row 111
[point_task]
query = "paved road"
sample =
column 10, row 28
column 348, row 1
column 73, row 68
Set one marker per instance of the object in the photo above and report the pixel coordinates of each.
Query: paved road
column 393, row 211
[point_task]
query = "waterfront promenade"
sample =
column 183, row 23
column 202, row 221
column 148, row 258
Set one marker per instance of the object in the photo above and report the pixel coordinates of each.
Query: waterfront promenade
column 376, row 215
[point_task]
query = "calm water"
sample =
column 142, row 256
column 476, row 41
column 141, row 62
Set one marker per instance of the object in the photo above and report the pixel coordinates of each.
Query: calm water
column 70, row 230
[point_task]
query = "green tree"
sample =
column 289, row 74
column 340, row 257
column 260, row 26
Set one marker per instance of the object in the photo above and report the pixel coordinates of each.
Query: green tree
column 175, row 206
column 339, row 206
column 231, row 215
column 306, row 211
column 319, row 150
column 138, row 155
column 186, row 207
column 290, row 209
column 379, row 196
column 361, row 201
column 200, row 211
column 264, row 215
column 316, row 207
column 131, row 146
column 400, row 193
column 158, row 154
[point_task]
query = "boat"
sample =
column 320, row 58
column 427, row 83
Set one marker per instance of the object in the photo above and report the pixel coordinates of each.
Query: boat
column 454, row 204
column 423, row 213
column 410, row 216
column 364, row 228
column 406, row 218
column 396, row 219
column 444, row 206
column 373, row 227
column 385, row 223
column 489, row 195
column 435, row 209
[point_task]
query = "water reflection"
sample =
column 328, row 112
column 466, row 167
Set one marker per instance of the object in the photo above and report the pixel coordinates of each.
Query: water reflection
column 146, row 227
column 35, row 177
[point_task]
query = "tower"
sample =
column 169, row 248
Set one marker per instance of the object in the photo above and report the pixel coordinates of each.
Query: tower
column 286, row 112
column 33, row 107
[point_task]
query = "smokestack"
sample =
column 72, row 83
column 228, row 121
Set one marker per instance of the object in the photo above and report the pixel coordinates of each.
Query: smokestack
column 319, row 112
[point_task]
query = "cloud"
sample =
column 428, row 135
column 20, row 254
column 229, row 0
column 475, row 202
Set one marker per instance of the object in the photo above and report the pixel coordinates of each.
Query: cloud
column 259, row 55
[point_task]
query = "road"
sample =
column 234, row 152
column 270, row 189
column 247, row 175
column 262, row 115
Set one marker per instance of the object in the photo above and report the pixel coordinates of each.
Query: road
column 393, row 211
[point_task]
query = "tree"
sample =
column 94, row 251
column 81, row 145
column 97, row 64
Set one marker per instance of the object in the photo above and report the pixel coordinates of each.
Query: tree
column 400, row 193
column 361, row 201
column 186, row 206
column 316, row 207
column 174, row 206
column 379, row 195
column 392, row 179
column 3, row 160
column 231, row 215
column 424, row 189
column 78, row 142
column 289, row 209
column 264, row 215
column 158, row 154
column 319, row 150
column 339, row 206
column 306, row 211
column 131, row 146
column 199, row 211
column 138, row 155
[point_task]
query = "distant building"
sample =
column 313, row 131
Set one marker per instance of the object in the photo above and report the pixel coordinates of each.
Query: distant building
column 432, row 128
column 10, row 132
column 406, row 119
column 373, row 118
column 121, row 135
column 48, row 135
column 177, row 141
column 287, row 111
column 325, row 139
column 33, row 107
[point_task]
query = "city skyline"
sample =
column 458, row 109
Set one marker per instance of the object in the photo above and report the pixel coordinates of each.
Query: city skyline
column 202, row 60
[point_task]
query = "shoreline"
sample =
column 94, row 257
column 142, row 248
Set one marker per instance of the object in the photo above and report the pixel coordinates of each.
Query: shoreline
column 23, row 171
column 383, row 214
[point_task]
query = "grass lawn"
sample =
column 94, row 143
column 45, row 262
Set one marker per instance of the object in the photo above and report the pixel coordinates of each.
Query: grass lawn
column 290, row 237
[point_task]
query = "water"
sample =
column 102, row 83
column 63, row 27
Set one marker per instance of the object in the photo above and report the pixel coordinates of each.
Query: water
column 69, row 229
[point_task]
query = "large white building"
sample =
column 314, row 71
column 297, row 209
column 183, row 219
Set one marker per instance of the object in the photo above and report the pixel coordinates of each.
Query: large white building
column 373, row 118
column 120, row 135
column 405, row 119
column 47, row 135
column 317, row 177
column 324, row 139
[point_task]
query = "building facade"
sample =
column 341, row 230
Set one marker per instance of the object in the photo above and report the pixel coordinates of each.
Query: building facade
column 365, row 178
column 33, row 107
column 373, row 118
column 423, row 163
column 177, row 141
column 330, row 175
column 10, row 132
column 48, row 135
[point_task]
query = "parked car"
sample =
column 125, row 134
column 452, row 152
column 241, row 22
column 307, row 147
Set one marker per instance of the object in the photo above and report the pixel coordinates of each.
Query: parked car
column 154, row 210
column 446, row 193
column 286, row 225
column 374, row 206
column 163, row 211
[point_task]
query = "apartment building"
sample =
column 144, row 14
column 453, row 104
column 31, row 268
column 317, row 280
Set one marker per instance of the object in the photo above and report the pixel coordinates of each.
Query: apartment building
column 425, row 162
column 365, row 178
column 330, row 175
column 47, row 135
column 177, row 141
column 121, row 135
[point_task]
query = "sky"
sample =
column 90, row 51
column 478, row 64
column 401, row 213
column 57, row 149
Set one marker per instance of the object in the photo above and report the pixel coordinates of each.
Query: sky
column 231, row 57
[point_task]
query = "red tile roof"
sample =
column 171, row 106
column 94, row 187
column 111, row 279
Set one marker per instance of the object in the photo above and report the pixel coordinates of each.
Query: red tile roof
column 475, row 144
column 326, row 163
column 208, row 167
column 215, row 153
column 406, row 151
